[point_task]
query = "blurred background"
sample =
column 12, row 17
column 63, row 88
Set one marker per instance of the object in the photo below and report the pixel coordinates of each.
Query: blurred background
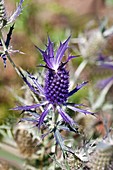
column 56, row 18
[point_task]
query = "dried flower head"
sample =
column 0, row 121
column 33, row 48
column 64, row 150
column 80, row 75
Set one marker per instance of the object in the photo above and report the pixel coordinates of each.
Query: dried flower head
column 102, row 158
column 4, row 165
column 90, row 44
column 8, row 165
column 26, row 139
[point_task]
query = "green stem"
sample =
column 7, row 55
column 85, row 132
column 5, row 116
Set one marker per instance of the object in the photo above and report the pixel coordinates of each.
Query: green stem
column 80, row 69
column 54, row 120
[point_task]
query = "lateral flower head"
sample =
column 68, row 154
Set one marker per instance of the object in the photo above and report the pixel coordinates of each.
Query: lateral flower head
column 56, row 88
column 4, row 19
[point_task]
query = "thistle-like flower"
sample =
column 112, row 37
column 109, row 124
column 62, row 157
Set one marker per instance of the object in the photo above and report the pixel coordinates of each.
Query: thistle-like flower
column 55, row 92
column 4, row 19
column 29, row 145
column 102, row 158
column 5, row 165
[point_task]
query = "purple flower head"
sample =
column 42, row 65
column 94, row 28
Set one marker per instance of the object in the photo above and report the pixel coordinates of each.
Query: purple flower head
column 56, row 88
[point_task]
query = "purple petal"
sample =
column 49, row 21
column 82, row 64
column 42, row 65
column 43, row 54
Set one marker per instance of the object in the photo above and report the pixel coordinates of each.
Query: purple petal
column 66, row 117
column 107, row 65
column 30, row 82
column 42, row 116
column 28, row 107
column 61, row 50
column 50, row 49
column 29, row 120
column 101, row 57
column 71, row 57
column 79, row 110
column 37, row 84
column 46, row 57
column 29, row 85
column 16, row 13
column 78, row 87
column 101, row 84
column 48, row 54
